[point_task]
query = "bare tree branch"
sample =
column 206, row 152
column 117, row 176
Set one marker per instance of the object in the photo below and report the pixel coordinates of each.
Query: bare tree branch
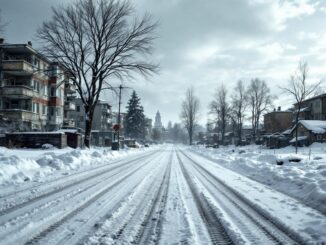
column 189, row 112
column 97, row 40
column 300, row 91
column 259, row 101
column 219, row 108
column 239, row 105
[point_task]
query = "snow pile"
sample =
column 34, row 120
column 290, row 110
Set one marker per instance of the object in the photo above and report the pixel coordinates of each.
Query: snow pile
column 17, row 169
column 21, row 165
column 302, row 176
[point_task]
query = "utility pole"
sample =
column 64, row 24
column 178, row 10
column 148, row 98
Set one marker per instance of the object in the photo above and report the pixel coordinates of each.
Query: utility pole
column 119, row 120
column 119, row 114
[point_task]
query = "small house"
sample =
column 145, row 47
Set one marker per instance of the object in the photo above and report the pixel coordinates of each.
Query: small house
column 309, row 131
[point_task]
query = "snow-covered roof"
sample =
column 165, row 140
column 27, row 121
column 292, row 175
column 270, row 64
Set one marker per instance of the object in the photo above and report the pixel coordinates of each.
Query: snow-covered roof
column 316, row 126
column 68, row 130
column 288, row 131
column 299, row 139
column 303, row 109
column 52, row 132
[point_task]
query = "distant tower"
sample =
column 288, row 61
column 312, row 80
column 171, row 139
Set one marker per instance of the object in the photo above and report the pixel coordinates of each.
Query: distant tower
column 158, row 123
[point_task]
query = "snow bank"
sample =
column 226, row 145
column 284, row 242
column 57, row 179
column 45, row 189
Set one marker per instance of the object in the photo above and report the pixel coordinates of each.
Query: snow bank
column 21, row 165
column 304, row 179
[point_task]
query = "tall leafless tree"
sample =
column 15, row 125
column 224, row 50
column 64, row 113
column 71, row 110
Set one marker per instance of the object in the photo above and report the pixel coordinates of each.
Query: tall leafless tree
column 189, row 112
column 239, row 105
column 300, row 91
column 97, row 40
column 219, row 108
column 259, row 101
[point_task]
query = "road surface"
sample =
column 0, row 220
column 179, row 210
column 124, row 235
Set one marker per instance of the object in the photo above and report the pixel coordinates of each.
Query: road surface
column 166, row 196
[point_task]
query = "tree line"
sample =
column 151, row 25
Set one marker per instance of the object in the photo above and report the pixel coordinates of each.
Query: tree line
column 229, row 110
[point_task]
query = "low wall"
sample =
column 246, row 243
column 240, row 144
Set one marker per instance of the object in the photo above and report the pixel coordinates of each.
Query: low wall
column 35, row 139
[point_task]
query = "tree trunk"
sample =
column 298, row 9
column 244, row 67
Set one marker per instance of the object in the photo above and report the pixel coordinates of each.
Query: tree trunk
column 88, row 127
column 296, row 128
column 190, row 135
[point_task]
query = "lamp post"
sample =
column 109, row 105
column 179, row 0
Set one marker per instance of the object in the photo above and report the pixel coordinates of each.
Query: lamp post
column 118, row 127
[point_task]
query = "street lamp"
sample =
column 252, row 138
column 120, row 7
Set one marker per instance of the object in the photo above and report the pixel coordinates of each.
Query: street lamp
column 117, row 127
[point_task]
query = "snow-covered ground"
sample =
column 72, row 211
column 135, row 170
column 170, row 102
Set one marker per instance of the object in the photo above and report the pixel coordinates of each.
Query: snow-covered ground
column 161, row 195
column 305, row 180
column 35, row 165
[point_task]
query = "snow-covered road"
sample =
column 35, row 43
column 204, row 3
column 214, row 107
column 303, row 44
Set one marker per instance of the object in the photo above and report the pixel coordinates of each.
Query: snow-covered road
column 166, row 196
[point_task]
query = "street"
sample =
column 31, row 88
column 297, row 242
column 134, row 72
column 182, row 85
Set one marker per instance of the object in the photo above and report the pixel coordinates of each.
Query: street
column 167, row 195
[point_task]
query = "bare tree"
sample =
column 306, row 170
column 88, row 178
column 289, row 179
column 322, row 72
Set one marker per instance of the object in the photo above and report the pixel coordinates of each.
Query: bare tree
column 189, row 112
column 219, row 108
column 96, row 40
column 259, row 101
column 239, row 105
column 300, row 91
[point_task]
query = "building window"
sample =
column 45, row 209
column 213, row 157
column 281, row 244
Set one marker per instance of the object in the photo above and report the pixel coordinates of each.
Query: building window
column 78, row 108
column 58, row 112
column 45, row 90
column 59, row 93
column 43, row 109
column 36, row 86
column 319, row 137
column 51, row 111
column 14, row 104
column 35, row 107
column 52, row 91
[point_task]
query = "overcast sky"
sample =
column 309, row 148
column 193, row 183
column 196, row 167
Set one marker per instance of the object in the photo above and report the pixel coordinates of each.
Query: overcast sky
column 204, row 43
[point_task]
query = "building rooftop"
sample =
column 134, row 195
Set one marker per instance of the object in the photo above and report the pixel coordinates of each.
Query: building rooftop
column 316, row 126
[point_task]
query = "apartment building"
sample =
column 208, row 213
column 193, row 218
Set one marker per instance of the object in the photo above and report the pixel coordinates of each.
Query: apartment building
column 313, row 108
column 34, row 91
column 277, row 121
column 102, row 121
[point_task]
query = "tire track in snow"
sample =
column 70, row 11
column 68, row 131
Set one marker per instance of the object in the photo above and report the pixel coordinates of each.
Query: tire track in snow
column 268, row 227
column 121, row 225
column 75, row 208
column 152, row 225
column 215, row 228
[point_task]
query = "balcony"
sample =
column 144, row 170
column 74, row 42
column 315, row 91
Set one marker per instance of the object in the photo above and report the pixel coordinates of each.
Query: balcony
column 17, row 67
column 19, row 92
column 19, row 115
column 69, row 106
column 55, row 120
column 68, row 122
column 70, row 88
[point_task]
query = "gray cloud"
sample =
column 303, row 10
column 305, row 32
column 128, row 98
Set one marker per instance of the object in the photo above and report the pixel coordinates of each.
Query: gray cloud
column 206, row 43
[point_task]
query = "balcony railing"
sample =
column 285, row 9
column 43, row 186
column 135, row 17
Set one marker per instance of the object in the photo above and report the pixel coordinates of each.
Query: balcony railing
column 17, row 66
column 69, row 106
column 18, row 91
column 19, row 115
column 69, row 122
column 22, row 68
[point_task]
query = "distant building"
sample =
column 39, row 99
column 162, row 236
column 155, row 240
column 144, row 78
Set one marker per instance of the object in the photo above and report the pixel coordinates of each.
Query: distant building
column 158, row 123
column 33, row 90
column 277, row 121
column 148, row 130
